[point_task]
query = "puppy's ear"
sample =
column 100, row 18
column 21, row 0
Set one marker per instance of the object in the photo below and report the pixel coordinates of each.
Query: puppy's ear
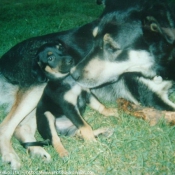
column 37, row 72
column 95, row 32
column 99, row 2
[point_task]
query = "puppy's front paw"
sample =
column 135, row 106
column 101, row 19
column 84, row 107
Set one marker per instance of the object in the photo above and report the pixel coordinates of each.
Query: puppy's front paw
column 86, row 133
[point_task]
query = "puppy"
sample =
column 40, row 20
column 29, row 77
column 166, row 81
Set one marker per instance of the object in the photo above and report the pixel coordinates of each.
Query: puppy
column 63, row 102
column 21, row 91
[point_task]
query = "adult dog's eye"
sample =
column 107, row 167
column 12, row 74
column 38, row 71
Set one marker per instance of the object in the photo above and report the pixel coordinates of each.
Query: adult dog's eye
column 51, row 58
column 61, row 47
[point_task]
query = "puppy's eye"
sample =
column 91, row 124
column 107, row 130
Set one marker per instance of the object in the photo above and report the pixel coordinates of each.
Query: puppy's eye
column 60, row 47
column 51, row 58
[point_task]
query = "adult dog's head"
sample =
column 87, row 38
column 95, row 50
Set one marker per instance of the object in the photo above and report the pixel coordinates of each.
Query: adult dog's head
column 138, row 40
column 52, row 61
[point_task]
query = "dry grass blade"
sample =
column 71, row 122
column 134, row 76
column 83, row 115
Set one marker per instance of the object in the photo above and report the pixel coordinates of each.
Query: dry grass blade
column 149, row 114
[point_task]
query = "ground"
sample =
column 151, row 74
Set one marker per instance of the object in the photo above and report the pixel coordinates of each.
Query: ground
column 134, row 148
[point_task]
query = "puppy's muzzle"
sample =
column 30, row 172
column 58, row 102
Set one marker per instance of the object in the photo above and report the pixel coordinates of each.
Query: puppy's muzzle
column 69, row 61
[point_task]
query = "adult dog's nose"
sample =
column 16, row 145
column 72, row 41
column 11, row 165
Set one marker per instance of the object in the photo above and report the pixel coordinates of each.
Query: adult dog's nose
column 75, row 74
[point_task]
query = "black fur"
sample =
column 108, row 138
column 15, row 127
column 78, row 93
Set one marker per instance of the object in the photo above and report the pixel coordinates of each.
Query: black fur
column 56, row 50
column 117, row 5
column 17, row 81
column 143, row 94
column 78, row 41
column 53, row 98
column 149, row 30
column 54, row 102
column 150, row 24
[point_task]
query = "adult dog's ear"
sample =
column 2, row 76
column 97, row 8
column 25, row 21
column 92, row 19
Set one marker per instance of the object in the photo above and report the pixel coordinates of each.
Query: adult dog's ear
column 158, row 21
column 37, row 72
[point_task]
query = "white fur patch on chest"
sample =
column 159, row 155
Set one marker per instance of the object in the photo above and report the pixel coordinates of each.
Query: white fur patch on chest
column 72, row 95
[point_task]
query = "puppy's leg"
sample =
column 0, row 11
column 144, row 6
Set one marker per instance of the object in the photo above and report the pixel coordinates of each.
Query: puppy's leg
column 25, row 132
column 72, row 112
column 96, row 105
column 56, row 142
column 87, row 132
column 71, row 108
column 26, row 101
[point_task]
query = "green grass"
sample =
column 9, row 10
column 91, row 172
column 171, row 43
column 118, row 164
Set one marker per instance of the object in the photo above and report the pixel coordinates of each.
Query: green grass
column 134, row 148
column 22, row 19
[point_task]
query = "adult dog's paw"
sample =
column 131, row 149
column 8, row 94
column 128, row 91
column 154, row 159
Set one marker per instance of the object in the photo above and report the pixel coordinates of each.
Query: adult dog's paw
column 12, row 159
column 39, row 152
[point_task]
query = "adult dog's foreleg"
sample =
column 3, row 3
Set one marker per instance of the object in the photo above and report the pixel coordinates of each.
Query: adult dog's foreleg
column 25, row 132
column 102, row 109
column 26, row 101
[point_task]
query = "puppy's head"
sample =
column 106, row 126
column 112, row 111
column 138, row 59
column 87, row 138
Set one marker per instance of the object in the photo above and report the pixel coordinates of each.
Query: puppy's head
column 52, row 62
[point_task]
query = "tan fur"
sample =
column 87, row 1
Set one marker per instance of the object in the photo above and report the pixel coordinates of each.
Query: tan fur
column 55, row 72
column 96, row 105
column 25, row 102
column 56, row 142
column 87, row 133
column 25, row 132
column 49, row 53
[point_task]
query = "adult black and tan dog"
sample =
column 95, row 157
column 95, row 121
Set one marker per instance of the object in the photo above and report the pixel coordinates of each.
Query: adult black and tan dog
column 19, row 87
column 63, row 102
column 22, row 92
column 139, row 41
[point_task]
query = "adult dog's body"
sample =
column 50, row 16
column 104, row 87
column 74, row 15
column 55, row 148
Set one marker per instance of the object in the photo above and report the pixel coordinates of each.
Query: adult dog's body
column 23, row 92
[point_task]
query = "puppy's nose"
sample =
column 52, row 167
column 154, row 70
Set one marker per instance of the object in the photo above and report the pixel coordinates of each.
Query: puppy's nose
column 75, row 74
column 69, row 60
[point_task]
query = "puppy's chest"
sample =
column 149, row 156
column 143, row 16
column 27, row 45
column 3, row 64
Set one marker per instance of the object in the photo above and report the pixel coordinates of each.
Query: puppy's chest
column 68, row 91
column 71, row 96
